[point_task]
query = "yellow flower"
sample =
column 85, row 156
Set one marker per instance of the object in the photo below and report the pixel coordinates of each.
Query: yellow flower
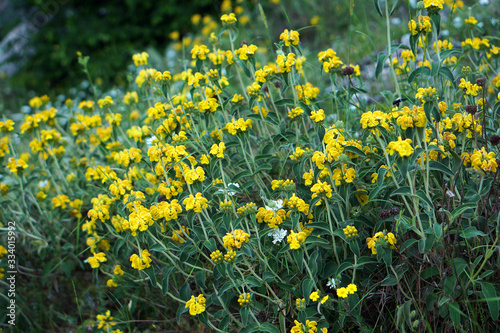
column 218, row 150
column 318, row 116
column 216, row 256
column 142, row 262
column 111, row 283
column 196, row 305
column 118, row 270
column 105, row 321
column 235, row 239
column 244, row 299
column 314, row 296
column 342, row 292
column 290, row 37
column 404, row 148
column 324, row 299
column 228, row 19
column 350, row 231
column 351, row 288
column 140, row 59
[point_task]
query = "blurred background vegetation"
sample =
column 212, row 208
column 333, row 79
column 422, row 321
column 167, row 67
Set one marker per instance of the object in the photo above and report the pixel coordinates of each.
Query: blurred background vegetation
column 111, row 31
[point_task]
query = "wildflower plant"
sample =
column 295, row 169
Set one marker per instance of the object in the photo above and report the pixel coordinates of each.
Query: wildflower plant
column 288, row 185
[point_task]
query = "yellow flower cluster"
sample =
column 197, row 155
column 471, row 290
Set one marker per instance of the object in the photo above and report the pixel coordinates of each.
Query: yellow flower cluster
column 482, row 160
column 306, row 92
column 350, row 231
column 96, row 259
column 428, row 94
column 386, row 240
column 271, row 217
column 295, row 239
column 140, row 59
column 476, row 43
column 246, row 51
column 290, row 37
column 283, row 185
column 180, row 235
column 216, row 256
column 295, row 203
column 346, row 291
column 470, row 88
column 295, row 112
column 249, row 208
column 285, row 62
column 142, row 262
column 235, row 239
column 317, row 116
column 218, row 150
column 414, row 117
column 322, row 189
column 196, row 305
column 309, row 327
column 228, row 19
column 422, row 26
column 196, row 203
column 238, row 126
column 403, row 147
column 244, row 299
column 330, row 61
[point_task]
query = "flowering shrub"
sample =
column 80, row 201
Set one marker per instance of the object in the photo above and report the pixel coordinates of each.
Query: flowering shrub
column 274, row 188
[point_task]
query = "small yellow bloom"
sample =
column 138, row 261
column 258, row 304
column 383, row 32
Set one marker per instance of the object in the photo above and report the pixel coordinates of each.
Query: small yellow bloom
column 314, row 296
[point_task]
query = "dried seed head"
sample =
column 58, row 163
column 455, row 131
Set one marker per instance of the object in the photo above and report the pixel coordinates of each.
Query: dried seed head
column 384, row 214
column 277, row 84
column 495, row 140
column 472, row 109
column 481, row 81
column 245, row 42
column 265, row 89
column 347, row 71
column 394, row 211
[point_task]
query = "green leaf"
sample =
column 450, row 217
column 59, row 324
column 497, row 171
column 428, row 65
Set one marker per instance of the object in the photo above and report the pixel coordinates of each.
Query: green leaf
column 165, row 281
column 244, row 313
column 381, row 58
column 403, row 190
column 488, row 292
column 438, row 166
column 445, row 71
column 284, row 101
column 421, row 194
column 263, row 167
column 180, row 310
column 150, row 272
column 343, row 266
column 460, row 210
column 426, row 71
column 298, row 255
column 460, row 265
column 470, row 232
column 306, row 287
column 244, row 67
column 200, row 279
column 448, row 53
column 266, row 327
column 438, row 230
column 185, row 292
column 354, row 150
column 455, row 312
column 394, row 7
column 210, row 245
column 390, row 280
column 377, row 7
column 436, row 19
column 239, row 175
column 435, row 68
